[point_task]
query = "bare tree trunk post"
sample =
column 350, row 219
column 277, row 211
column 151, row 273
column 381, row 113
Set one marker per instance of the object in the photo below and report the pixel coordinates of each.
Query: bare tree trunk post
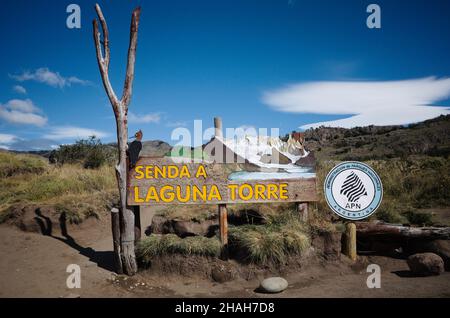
column 120, row 107
column 223, row 224
column 223, row 215
column 302, row 209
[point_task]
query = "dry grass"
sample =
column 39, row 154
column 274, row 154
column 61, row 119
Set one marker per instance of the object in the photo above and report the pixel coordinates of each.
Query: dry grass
column 69, row 188
column 15, row 164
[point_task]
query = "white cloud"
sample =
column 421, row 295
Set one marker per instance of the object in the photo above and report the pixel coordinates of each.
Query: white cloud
column 369, row 102
column 144, row 119
column 22, row 105
column 175, row 124
column 71, row 132
column 6, row 140
column 20, row 89
column 54, row 79
column 22, row 111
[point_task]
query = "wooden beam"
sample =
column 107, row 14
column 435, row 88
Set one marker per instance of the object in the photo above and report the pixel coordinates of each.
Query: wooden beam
column 396, row 231
column 223, row 224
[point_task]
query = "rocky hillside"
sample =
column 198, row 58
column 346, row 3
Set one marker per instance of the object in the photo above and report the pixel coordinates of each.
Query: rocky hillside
column 430, row 138
column 155, row 148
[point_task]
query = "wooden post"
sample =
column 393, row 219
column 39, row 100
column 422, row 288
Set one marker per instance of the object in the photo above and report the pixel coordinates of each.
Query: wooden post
column 115, row 225
column 120, row 108
column 218, row 127
column 350, row 241
column 223, row 217
column 302, row 209
column 223, row 224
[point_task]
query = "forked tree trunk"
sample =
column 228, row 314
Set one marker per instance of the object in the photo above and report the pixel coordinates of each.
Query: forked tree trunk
column 127, row 257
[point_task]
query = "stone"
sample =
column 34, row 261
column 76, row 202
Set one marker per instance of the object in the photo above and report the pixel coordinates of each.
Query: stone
column 160, row 225
column 426, row 264
column 273, row 285
column 439, row 247
column 193, row 228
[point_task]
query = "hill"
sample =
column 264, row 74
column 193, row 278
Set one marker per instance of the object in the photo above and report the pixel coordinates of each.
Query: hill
column 429, row 138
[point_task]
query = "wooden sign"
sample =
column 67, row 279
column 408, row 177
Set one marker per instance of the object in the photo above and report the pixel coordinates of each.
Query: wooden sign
column 161, row 181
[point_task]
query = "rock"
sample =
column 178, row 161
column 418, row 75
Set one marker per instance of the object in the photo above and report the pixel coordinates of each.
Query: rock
column 273, row 285
column 426, row 264
column 160, row 225
column 222, row 273
column 439, row 247
column 182, row 228
column 247, row 216
column 193, row 228
column 308, row 161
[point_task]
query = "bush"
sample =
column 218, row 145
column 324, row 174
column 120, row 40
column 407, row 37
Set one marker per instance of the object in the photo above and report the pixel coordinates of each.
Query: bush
column 91, row 153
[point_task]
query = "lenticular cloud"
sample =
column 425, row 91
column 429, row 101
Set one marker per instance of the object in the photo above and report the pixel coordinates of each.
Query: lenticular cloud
column 369, row 102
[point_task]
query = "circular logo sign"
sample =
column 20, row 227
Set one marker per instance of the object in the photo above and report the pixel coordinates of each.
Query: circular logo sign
column 353, row 190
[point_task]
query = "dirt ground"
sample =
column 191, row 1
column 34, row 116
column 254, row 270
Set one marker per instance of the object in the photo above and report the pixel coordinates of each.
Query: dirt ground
column 34, row 265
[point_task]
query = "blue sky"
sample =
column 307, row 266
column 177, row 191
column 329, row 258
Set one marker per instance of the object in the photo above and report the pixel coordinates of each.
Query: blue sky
column 284, row 64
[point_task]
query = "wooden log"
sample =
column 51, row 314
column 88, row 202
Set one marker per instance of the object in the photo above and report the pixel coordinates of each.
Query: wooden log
column 350, row 241
column 395, row 231
column 115, row 225
column 302, row 209
column 223, row 225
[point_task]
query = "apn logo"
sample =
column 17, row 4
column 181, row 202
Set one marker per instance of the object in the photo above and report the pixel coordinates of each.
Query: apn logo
column 353, row 189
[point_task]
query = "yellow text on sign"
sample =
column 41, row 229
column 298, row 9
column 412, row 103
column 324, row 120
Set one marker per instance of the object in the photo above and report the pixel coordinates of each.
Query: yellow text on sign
column 209, row 193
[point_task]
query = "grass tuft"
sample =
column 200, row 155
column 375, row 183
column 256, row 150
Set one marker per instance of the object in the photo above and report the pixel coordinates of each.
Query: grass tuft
column 273, row 242
column 157, row 244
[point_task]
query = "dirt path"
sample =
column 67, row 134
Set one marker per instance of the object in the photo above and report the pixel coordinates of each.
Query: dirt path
column 34, row 265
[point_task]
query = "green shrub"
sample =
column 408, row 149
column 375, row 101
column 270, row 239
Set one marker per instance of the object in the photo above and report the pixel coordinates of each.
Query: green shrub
column 89, row 152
